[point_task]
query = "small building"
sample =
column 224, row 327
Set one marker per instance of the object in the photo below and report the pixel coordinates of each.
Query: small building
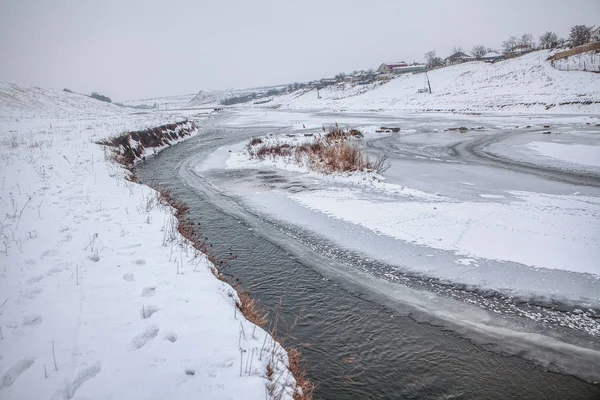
column 387, row 68
column 410, row 68
column 519, row 50
column 491, row 57
column 458, row 58
column 595, row 34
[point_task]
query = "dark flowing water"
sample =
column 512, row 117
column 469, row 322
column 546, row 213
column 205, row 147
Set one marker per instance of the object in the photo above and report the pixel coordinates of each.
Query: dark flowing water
column 354, row 348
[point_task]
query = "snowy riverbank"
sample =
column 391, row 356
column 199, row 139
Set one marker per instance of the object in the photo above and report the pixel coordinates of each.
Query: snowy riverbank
column 100, row 296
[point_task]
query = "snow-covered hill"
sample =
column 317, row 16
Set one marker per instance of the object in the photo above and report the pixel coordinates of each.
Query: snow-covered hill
column 166, row 102
column 525, row 84
column 29, row 101
column 215, row 98
column 100, row 296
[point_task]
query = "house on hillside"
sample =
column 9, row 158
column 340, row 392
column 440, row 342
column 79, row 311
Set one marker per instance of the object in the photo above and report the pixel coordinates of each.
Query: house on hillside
column 458, row 58
column 387, row 68
column 595, row 34
column 519, row 50
column 410, row 68
column 491, row 57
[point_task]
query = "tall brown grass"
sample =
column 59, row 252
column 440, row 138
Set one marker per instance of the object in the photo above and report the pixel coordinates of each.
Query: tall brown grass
column 330, row 153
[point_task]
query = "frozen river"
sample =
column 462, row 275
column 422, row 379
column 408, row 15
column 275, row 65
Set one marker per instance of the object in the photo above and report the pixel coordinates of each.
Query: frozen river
column 480, row 242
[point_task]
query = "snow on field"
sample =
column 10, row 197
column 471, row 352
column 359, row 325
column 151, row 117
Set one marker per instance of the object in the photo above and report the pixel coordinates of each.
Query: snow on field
column 100, row 297
column 22, row 102
column 524, row 84
column 572, row 153
column 555, row 232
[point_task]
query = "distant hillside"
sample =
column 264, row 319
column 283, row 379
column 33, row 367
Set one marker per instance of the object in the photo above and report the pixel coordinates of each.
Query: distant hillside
column 23, row 101
column 524, row 84
column 219, row 98
column 166, row 102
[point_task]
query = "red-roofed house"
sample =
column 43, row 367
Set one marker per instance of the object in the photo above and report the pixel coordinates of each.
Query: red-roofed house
column 388, row 68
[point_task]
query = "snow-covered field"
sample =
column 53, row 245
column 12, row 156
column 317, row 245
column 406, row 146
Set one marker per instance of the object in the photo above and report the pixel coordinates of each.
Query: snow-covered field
column 100, row 297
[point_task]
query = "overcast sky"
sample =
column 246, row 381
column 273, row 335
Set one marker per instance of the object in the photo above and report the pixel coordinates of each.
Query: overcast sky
column 139, row 49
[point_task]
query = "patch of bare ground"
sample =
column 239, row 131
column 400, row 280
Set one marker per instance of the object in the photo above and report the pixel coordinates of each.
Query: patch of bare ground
column 332, row 152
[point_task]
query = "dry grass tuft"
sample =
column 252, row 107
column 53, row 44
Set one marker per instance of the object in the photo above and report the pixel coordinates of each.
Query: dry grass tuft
column 249, row 308
column 255, row 141
column 331, row 153
column 295, row 365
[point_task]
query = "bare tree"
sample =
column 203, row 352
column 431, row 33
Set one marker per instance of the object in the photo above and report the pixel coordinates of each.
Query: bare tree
column 509, row 45
column 548, row 40
column 340, row 77
column 457, row 49
column 580, row 34
column 433, row 60
column 479, row 51
column 527, row 41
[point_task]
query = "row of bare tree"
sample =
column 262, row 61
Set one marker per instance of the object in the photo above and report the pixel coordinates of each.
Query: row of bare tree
column 579, row 34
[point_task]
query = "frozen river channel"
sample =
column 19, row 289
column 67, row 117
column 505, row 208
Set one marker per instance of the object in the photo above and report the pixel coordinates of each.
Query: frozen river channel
column 480, row 243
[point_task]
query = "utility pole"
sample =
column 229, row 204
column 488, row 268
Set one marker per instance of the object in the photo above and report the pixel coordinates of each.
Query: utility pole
column 428, row 84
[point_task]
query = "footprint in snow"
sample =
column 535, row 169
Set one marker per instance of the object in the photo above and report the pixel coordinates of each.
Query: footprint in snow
column 84, row 375
column 128, row 277
column 144, row 337
column 140, row 261
column 27, row 295
column 32, row 320
column 148, row 291
column 35, row 279
column 13, row 373
column 49, row 253
column 148, row 311
column 171, row 337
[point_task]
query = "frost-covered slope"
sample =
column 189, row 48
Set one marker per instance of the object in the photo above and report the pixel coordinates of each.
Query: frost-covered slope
column 27, row 101
column 166, row 102
column 212, row 98
column 100, row 296
column 528, row 84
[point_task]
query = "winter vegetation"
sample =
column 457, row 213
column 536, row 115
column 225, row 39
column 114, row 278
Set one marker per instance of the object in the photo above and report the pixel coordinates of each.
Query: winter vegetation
column 100, row 97
column 330, row 153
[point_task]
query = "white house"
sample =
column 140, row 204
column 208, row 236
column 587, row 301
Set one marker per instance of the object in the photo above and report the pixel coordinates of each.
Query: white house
column 491, row 57
column 388, row 68
column 458, row 58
